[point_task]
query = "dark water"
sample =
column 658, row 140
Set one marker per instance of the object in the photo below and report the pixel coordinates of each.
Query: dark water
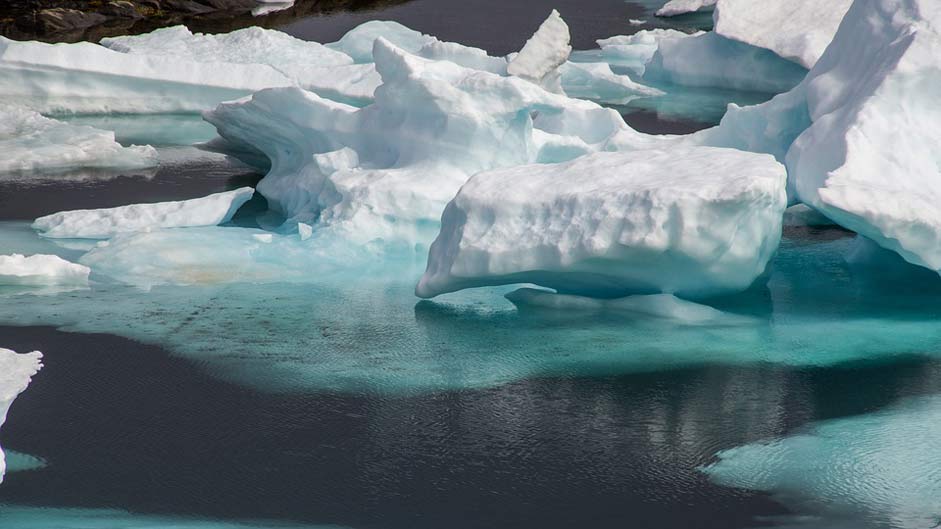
column 124, row 425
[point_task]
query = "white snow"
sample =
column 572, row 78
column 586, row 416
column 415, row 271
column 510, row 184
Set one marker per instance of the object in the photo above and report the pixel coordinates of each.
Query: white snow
column 859, row 135
column 690, row 222
column 31, row 143
column 681, row 7
column 544, row 53
column 103, row 223
column 797, row 30
column 16, row 372
column 41, row 269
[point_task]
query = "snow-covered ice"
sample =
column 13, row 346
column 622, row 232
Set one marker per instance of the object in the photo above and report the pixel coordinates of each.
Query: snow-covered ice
column 103, row 223
column 544, row 53
column 16, row 372
column 31, row 143
column 681, row 7
column 859, row 135
column 797, row 30
column 690, row 222
column 41, row 269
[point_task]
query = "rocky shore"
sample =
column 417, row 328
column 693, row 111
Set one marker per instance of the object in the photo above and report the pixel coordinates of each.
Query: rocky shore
column 92, row 20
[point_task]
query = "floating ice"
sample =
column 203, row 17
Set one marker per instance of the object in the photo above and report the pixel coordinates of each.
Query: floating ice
column 387, row 170
column 16, row 372
column 358, row 42
column 40, row 269
column 103, row 223
column 544, row 53
column 877, row 470
column 865, row 111
column 31, row 143
column 681, row 7
column 690, row 222
column 632, row 52
column 636, row 22
column 797, row 30
column 271, row 6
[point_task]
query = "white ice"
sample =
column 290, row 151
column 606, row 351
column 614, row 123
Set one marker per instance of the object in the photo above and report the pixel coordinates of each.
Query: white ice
column 681, row 7
column 31, row 143
column 40, row 270
column 103, row 223
column 691, row 222
column 544, row 53
column 271, row 6
column 860, row 135
column 16, row 372
column 797, row 30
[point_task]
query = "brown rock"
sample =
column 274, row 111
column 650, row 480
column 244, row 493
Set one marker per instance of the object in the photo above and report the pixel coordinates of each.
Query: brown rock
column 60, row 19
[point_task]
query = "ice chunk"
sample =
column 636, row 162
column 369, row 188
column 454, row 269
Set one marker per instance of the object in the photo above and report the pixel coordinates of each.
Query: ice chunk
column 681, row 7
column 797, row 30
column 103, row 223
column 41, row 269
column 16, row 372
column 866, row 111
column 31, row 143
column 597, row 82
column 358, row 42
column 271, row 6
column 387, row 170
column 636, row 22
column 665, row 306
column 630, row 51
column 88, row 78
column 876, row 470
column 304, row 230
column 543, row 53
column 710, row 60
column 688, row 222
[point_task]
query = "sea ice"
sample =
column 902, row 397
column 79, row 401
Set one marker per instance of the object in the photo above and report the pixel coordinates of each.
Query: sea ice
column 103, row 223
column 16, row 372
column 690, row 222
column 797, row 30
column 543, row 54
column 865, row 111
column 876, row 470
column 680, row 7
column 41, row 269
column 386, row 171
column 31, row 143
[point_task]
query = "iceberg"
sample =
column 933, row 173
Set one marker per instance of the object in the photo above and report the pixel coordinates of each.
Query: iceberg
column 876, row 470
column 681, row 7
column 693, row 222
column 799, row 30
column 104, row 223
column 866, row 110
column 543, row 54
column 31, row 143
column 40, row 270
column 16, row 372
column 386, row 171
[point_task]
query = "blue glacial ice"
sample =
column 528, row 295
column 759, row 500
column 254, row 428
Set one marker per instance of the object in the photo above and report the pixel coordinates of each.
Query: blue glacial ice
column 873, row 471
column 16, row 372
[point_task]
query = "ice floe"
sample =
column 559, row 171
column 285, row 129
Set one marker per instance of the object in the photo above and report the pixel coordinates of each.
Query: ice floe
column 544, row 53
column 103, row 223
column 31, row 143
column 41, row 269
column 690, row 222
column 797, row 30
column 16, row 372
column 681, row 7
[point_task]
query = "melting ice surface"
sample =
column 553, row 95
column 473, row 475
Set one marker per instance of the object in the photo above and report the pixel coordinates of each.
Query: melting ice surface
column 877, row 470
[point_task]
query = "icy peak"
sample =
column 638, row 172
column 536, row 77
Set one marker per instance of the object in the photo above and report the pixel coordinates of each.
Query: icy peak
column 543, row 54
